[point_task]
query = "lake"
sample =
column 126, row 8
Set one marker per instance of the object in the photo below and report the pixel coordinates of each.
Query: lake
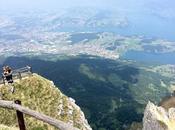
column 147, row 57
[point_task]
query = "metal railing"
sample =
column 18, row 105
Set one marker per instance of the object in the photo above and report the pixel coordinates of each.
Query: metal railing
column 18, row 74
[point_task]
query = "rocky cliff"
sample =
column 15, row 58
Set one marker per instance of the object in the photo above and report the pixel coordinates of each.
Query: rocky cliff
column 158, row 118
column 40, row 94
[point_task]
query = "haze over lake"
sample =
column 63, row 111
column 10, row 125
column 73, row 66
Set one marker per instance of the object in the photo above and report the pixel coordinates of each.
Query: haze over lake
column 151, row 18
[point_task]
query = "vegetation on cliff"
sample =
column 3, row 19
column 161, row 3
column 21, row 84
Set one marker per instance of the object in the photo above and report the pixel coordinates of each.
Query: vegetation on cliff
column 40, row 94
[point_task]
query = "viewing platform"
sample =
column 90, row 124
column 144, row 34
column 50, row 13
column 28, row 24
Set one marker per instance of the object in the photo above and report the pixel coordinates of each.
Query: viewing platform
column 18, row 74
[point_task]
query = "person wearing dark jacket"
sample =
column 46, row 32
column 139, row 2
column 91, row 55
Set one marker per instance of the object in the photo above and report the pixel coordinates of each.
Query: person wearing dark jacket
column 7, row 74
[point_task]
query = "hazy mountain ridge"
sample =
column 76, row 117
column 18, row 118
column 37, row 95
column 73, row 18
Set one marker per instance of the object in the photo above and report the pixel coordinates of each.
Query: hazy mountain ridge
column 74, row 18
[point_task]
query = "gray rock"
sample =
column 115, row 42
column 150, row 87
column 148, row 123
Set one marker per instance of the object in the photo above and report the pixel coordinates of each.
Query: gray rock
column 157, row 118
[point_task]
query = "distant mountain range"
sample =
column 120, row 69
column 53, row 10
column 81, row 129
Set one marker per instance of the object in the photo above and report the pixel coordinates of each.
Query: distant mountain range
column 153, row 23
column 71, row 18
column 89, row 18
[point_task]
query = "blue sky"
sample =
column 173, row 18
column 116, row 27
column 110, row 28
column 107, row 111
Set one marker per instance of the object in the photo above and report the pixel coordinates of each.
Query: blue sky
column 112, row 4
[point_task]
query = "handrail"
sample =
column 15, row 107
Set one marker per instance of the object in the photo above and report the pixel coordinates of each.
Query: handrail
column 57, row 123
column 18, row 73
column 27, row 68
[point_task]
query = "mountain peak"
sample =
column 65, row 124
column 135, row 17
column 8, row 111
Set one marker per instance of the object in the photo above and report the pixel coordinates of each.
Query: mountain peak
column 40, row 94
column 158, row 118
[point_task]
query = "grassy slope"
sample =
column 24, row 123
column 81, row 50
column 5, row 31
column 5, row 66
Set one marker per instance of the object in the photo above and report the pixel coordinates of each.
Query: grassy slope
column 3, row 127
column 38, row 94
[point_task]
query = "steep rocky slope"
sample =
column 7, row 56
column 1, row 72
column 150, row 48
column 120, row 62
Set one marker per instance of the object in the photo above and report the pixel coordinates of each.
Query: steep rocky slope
column 158, row 118
column 40, row 94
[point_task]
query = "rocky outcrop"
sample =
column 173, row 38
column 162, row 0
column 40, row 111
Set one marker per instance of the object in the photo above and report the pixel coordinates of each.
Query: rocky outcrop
column 158, row 118
column 41, row 95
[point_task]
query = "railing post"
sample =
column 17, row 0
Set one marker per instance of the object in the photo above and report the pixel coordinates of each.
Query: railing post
column 20, row 117
column 30, row 69
column 20, row 77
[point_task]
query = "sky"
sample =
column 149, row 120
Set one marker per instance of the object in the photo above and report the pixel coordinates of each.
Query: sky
column 107, row 4
column 162, row 8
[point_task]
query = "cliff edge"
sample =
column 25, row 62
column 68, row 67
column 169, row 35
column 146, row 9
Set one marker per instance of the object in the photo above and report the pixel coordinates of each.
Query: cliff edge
column 40, row 94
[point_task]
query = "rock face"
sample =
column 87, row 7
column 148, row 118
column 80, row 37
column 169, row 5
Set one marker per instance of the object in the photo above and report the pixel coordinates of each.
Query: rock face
column 40, row 94
column 157, row 118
